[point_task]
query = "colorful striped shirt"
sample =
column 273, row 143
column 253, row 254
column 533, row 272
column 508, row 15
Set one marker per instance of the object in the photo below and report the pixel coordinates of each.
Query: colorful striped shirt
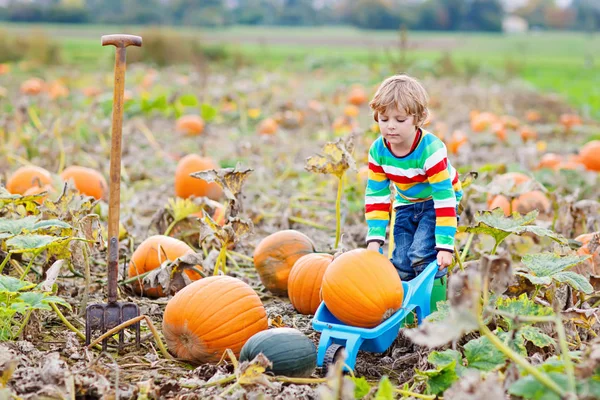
column 421, row 175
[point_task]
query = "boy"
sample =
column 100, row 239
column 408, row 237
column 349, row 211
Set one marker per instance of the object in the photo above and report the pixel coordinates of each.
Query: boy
column 427, row 186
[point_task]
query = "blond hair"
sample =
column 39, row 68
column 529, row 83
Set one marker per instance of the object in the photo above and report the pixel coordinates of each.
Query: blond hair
column 404, row 93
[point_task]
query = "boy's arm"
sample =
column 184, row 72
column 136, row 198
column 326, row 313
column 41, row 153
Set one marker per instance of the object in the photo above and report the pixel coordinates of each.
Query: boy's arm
column 377, row 200
column 444, row 197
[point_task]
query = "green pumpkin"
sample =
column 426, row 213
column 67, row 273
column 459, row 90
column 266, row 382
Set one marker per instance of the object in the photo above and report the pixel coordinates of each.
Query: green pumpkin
column 290, row 351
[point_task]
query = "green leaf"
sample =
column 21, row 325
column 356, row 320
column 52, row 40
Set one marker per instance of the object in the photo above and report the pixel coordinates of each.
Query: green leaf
column 530, row 388
column 542, row 268
column 536, row 336
column 51, row 223
column 575, row 280
column 385, row 390
column 495, row 224
column 443, row 311
column 160, row 103
column 188, row 100
column 481, row 354
column 440, row 379
column 522, row 306
column 40, row 301
column 208, row 112
column 547, row 264
column 13, row 285
column 514, row 341
column 10, row 227
column 361, row 387
column 27, row 243
column 444, row 358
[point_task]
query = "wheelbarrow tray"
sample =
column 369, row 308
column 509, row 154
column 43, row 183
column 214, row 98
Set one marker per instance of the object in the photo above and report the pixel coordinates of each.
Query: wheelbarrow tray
column 417, row 297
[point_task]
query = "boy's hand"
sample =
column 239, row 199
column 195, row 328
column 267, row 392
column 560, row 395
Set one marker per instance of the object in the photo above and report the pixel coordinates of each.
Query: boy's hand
column 373, row 246
column 444, row 259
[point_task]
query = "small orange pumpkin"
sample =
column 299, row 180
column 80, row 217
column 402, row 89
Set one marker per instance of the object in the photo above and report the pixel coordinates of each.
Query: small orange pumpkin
column 527, row 202
column 357, row 95
column 533, row 116
column 591, row 247
column 275, row 256
column 588, row 155
column 187, row 186
column 568, row 121
column 362, row 288
column 190, row 124
column 210, row 316
column 40, row 189
column 268, row 126
column 91, row 91
column 87, row 181
column 528, row 133
column 351, row 111
column 457, row 140
column 482, row 121
column 27, row 177
column 151, row 253
column 304, row 282
column 550, row 161
column 33, row 86
column 510, row 122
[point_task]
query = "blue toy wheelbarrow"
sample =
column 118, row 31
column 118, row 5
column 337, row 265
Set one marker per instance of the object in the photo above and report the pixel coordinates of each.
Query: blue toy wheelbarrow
column 335, row 335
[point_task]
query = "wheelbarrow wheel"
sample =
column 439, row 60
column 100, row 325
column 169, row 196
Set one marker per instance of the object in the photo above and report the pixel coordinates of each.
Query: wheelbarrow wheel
column 332, row 354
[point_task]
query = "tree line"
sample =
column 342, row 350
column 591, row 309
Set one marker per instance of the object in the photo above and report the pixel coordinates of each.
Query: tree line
column 442, row 15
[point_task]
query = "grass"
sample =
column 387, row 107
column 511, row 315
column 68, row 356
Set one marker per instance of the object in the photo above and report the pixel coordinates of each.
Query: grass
column 552, row 61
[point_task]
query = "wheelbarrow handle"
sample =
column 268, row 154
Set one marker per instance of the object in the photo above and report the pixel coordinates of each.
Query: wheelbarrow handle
column 120, row 42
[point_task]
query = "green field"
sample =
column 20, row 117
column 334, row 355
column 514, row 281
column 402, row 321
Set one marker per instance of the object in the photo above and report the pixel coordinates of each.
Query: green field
column 565, row 63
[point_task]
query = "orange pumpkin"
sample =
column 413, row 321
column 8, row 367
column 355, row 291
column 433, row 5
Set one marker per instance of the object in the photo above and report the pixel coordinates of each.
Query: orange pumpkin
column 87, row 181
column 362, row 288
column 588, row 155
column 40, row 189
column 187, row 186
column 550, row 161
column 510, row 122
column 210, row 316
column 57, row 89
column 457, row 140
column 568, row 121
column 268, row 126
column 533, row 116
column 91, row 91
column 482, row 121
column 357, row 95
column 33, row 86
column 527, row 202
column 591, row 246
column 351, row 111
column 499, row 130
column 275, row 256
column 517, row 178
column 27, row 177
column 528, row 133
column 190, row 125
column 151, row 253
column 304, row 282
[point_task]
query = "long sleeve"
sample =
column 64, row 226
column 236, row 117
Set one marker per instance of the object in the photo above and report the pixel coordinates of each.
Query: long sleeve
column 377, row 199
column 444, row 197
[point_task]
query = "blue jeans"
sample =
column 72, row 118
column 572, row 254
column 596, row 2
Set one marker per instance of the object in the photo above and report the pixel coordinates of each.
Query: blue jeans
column 414, row 239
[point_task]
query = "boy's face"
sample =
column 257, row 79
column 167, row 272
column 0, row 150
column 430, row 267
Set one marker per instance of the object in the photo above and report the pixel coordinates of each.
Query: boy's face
column 397, row 127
